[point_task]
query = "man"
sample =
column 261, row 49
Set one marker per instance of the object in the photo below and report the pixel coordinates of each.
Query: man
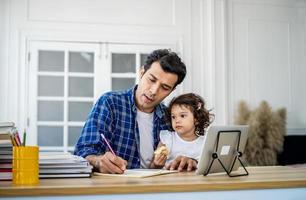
column 131, row 120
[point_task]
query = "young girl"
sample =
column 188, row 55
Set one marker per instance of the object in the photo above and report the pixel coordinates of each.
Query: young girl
column 189, row 119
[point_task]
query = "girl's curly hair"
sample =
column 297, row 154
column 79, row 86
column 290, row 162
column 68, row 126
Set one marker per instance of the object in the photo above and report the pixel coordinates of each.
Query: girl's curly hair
column 196, row 105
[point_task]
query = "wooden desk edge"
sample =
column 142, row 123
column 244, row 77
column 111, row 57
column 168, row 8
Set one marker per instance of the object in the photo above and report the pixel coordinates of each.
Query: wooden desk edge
column 128, row 189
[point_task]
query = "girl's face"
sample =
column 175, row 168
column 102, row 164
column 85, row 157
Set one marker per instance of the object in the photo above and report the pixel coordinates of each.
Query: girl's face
column 183, row 121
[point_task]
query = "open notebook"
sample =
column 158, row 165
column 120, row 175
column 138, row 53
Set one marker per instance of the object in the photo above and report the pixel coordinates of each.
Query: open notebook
column 140, row 173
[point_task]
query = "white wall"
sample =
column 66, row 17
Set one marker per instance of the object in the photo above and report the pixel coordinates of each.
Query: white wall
column 118, row 21
column 4, row 30
column 234, row 49
column 266, row 61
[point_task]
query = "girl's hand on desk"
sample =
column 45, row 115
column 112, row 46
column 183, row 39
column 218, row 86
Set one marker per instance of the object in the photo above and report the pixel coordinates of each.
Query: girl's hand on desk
column 182, row 162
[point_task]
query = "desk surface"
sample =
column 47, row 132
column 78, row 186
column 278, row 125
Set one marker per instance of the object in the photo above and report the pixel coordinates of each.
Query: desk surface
column 259, row 178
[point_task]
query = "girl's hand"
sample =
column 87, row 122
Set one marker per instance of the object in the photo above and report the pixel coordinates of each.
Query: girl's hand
column 159, row 160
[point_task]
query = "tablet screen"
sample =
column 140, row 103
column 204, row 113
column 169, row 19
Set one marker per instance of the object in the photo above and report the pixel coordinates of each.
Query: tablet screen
column 225, row 142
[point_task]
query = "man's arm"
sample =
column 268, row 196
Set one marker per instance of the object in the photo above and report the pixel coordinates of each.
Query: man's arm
column 90, row 145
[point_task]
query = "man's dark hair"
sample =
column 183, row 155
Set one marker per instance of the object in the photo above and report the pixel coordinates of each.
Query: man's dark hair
column 169, row 61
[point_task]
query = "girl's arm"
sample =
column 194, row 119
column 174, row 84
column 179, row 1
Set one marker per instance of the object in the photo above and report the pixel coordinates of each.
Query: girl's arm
column 158, row 160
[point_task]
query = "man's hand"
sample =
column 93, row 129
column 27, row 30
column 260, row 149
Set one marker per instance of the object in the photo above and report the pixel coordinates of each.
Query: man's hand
column 108, row 163
column 181, row 162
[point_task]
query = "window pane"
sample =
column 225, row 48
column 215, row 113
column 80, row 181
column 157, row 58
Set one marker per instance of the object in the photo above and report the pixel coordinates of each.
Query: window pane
column 81, row 62
column 78, row 111
column 143, row 58
column 50, row 86
column 81, row 87
column 122, row 83
column 122, row 63
column 74, row 133
column 51, row 60
column 50, row 111
column 50, row 136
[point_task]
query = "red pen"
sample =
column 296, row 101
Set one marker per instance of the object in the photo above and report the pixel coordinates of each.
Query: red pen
column 108, row 145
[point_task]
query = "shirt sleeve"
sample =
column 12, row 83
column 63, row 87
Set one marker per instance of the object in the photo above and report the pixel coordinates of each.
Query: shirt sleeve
column 99, row 121
column 166, row 138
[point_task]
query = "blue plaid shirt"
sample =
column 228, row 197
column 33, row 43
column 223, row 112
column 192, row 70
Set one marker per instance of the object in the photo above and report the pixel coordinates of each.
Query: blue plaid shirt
column 114, row 115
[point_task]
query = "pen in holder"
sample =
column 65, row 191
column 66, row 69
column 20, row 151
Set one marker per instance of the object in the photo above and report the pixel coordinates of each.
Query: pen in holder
column 25, row 165
column 24, row 137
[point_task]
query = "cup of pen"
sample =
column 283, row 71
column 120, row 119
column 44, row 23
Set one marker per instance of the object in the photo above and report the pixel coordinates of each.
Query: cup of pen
column 25, row 165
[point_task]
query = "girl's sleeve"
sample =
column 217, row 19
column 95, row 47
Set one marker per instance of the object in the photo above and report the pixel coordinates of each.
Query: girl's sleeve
column 166, row 138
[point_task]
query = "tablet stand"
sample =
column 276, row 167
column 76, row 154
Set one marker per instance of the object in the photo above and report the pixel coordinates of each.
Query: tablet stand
column 237, row 157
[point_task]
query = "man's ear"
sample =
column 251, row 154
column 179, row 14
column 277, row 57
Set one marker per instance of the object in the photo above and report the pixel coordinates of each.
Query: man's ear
column 141, row 71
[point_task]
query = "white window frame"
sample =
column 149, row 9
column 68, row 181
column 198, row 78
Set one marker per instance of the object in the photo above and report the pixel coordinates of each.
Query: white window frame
column 34, row 47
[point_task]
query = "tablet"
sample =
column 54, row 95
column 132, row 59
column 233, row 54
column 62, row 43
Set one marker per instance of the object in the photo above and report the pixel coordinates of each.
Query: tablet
column 224, row 141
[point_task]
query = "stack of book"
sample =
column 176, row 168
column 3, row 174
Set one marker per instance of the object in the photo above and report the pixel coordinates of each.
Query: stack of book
column 8, row 137
column 63, row 165
column 6, row 154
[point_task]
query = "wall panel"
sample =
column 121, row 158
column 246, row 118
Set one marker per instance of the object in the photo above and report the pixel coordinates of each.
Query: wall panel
column 131, row 12
column 265, row 46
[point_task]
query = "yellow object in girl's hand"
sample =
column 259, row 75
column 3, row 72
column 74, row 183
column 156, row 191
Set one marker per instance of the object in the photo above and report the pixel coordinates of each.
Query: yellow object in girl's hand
column 162, row 150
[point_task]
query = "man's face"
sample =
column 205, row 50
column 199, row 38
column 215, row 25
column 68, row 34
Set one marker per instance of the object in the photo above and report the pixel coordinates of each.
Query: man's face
column 155, row 84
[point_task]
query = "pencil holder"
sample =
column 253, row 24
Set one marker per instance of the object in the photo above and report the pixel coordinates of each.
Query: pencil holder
column 25, row 165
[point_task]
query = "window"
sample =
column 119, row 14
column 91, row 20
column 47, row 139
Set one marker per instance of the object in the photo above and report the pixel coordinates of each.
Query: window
column 61, row 92
column 66, row 78
column 125, row 62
